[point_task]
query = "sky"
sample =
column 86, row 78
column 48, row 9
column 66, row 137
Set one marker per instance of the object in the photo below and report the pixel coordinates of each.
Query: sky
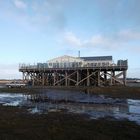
column 34, row 31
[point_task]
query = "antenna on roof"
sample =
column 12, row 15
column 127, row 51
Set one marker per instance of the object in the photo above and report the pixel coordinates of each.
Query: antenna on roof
column 79, row 54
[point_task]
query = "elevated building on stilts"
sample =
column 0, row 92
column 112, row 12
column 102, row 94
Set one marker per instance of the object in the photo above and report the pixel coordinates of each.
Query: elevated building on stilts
column 76, row 71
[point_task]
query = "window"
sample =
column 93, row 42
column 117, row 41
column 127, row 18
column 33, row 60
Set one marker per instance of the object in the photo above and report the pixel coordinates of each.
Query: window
column 107, row 64
column 103, row 64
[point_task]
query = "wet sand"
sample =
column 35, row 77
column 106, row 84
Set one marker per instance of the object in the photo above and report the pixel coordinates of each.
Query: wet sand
column 117, row 91
column 112, row 91
column 16, row 123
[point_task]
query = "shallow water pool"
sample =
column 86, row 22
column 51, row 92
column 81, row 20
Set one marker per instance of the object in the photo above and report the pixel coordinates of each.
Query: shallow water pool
column 75, row 102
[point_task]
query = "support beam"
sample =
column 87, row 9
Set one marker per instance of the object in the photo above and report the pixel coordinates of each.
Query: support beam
column 23, row 76
column 54, row 78
column 105, row 75
column 124, row 77
column 113, row 75
column 80, row 76
column 77, row 77
column 72, row 80
column 86, row 78
column 88, row 82
column 33, row 79
column 119, row 81
column 66, row 78
column 98, row 78
column 43, row 78
column 118, row 75
column 111, row 78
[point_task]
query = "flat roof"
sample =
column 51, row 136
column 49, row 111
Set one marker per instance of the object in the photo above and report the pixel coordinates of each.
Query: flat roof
column 96, row 58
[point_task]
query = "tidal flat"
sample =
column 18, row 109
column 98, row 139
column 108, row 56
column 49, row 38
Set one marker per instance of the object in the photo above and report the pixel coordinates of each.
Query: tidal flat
column 72, row 114
column 132, row 92
column 16, row 123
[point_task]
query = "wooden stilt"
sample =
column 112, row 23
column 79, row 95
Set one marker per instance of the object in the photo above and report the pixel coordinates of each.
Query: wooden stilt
column 83, row 76
column 124, row 77
column 98, row 78
column 88, row 82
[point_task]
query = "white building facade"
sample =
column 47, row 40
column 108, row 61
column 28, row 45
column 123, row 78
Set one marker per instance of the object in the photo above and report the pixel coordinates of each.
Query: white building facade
column 71, row 62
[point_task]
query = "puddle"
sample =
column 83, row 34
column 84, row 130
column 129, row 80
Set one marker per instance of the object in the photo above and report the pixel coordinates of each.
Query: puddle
column 75, row 102
column 12, row 99
column 2, row 86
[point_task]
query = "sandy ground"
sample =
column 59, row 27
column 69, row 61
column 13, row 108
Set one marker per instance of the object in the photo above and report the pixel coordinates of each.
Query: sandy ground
column 114, row 91
column 17, row 124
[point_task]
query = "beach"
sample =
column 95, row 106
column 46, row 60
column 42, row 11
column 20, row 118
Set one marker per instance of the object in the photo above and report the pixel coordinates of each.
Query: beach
column 103, row 113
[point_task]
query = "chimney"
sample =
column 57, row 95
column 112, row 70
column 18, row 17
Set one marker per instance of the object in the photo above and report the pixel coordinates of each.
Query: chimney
column 79, row 54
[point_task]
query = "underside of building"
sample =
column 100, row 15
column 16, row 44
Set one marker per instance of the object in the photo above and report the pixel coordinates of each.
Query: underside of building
column 76, row 71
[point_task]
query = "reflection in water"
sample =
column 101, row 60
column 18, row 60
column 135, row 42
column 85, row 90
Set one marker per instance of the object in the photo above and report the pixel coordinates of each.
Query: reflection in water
column 12, row 99
column 75, row 102
column 134, row 106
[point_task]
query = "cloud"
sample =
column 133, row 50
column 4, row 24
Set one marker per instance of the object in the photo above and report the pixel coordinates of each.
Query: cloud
column 36, row 15
column 129, row 35
column 20, row 4
column 99, row 40
column 94, row 41
column 55, row 10
column 114, row 12
column 72, row 39
column 119, row 40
